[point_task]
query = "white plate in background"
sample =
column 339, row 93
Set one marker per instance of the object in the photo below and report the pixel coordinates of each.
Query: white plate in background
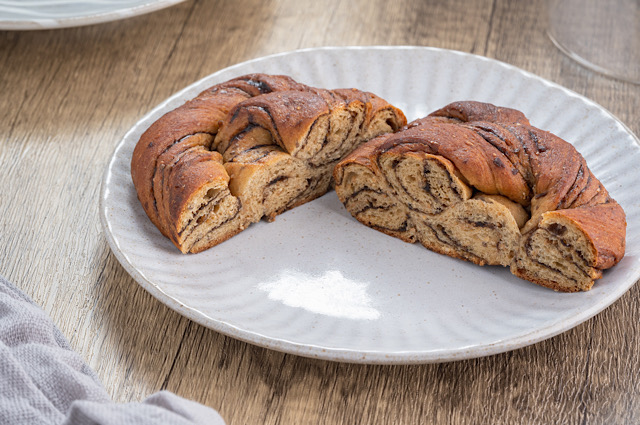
column 52, row 14
column 317, row 283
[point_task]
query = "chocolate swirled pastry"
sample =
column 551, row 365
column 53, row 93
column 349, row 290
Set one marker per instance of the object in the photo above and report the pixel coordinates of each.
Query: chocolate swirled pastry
column 478, row 182
column 248, row 148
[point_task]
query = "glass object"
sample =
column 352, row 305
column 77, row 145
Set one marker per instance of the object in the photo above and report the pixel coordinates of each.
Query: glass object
column 601, row 35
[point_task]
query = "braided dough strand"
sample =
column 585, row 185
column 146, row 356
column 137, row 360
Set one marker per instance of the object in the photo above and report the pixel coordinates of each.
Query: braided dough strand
column 480, row 183
column 248, row 148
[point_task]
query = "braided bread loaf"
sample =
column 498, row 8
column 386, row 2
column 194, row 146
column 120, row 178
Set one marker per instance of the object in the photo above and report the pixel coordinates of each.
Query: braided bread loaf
column 479, row 183
column 248, row 148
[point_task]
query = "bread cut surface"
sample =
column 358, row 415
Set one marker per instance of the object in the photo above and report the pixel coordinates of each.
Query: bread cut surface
column 248, row 148
column 478, row 182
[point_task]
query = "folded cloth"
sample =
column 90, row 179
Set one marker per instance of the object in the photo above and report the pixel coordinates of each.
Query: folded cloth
column 43, row 381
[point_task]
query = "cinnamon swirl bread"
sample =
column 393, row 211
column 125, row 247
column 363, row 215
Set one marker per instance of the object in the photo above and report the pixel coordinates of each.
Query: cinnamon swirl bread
column 248, row 148
column 480, row 183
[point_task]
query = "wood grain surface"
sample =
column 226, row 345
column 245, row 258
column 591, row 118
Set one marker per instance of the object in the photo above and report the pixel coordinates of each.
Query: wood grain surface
column 67, row 98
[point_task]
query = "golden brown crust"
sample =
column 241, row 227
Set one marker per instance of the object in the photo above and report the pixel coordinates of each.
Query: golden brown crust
column 467, row 111
column 605, row 225
column 498, row 152
column 234, row 145
column 201, row 115
column 287, row 115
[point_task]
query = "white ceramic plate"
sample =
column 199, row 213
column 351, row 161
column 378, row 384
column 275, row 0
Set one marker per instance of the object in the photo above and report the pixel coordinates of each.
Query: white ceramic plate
column 51, row 14
column 317, row 283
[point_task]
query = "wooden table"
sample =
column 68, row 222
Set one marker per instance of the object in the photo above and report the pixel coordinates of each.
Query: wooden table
column 68, row 97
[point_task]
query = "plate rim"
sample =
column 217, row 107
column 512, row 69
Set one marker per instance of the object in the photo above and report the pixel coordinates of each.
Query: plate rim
column 345, row 354
column 84, row 20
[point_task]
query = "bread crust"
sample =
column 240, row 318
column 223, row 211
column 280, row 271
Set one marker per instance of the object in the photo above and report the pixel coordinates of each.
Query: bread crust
column 197, row 167
column 496, row 151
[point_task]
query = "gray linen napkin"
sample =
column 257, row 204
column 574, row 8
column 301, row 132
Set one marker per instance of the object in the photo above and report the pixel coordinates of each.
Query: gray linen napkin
column 43, row 381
